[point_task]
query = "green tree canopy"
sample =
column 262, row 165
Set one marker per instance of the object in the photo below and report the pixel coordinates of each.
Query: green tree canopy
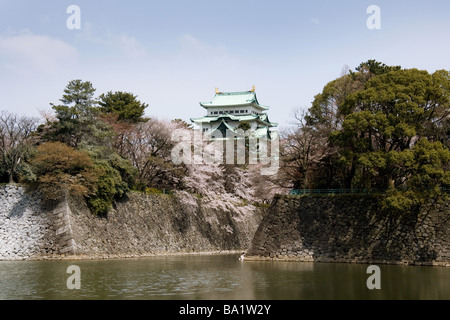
column 116, row 177
column 124, row 105
column 424, row 172
column 77, row 116
column 393, row 111
column 384, row 127
column 374, row 68
column 78, row 101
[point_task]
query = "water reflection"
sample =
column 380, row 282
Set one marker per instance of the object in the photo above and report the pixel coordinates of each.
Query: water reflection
column 217, row 277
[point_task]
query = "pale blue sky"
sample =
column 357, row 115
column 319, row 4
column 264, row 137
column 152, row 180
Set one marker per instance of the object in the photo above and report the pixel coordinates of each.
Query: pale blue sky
column 172, row 54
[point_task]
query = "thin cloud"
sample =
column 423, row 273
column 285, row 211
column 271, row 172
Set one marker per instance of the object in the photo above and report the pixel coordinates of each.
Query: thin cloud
column 129, row 46
column 122, row 42
column 194, row 48
column 26, row 52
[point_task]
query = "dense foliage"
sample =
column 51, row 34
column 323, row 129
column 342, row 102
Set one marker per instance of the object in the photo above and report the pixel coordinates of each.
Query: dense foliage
column 376, row 128
column 379, row 127
column 60, row 169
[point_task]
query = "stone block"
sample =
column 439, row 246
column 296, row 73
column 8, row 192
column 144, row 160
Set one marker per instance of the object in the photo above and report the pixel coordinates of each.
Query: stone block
column 63, row 230
column 68, row 250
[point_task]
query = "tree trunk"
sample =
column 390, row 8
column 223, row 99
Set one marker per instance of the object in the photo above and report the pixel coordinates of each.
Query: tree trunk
column 351, row 174
column 10, row 177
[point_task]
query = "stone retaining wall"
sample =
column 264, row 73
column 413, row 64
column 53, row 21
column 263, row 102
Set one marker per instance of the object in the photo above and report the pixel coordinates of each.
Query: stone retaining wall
column 140, row 225
column 24, row 227
column 62, row 226
column 144, row 225
column 351, row 229
column 322, row 229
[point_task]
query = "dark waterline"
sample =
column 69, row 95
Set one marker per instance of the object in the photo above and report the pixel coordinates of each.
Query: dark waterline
column 217, row 277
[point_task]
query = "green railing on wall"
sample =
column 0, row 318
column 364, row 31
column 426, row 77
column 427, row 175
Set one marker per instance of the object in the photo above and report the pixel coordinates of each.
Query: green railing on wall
column 301, row 192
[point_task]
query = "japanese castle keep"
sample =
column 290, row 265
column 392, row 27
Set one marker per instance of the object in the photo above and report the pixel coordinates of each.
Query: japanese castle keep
column 230, row 111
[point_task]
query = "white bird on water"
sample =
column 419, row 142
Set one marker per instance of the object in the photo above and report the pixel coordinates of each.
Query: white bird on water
column 241, row 258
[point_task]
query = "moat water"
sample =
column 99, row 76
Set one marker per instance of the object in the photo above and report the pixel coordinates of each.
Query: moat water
column 216, row 277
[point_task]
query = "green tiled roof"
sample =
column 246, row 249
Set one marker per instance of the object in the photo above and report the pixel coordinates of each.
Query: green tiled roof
column 235, row 99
